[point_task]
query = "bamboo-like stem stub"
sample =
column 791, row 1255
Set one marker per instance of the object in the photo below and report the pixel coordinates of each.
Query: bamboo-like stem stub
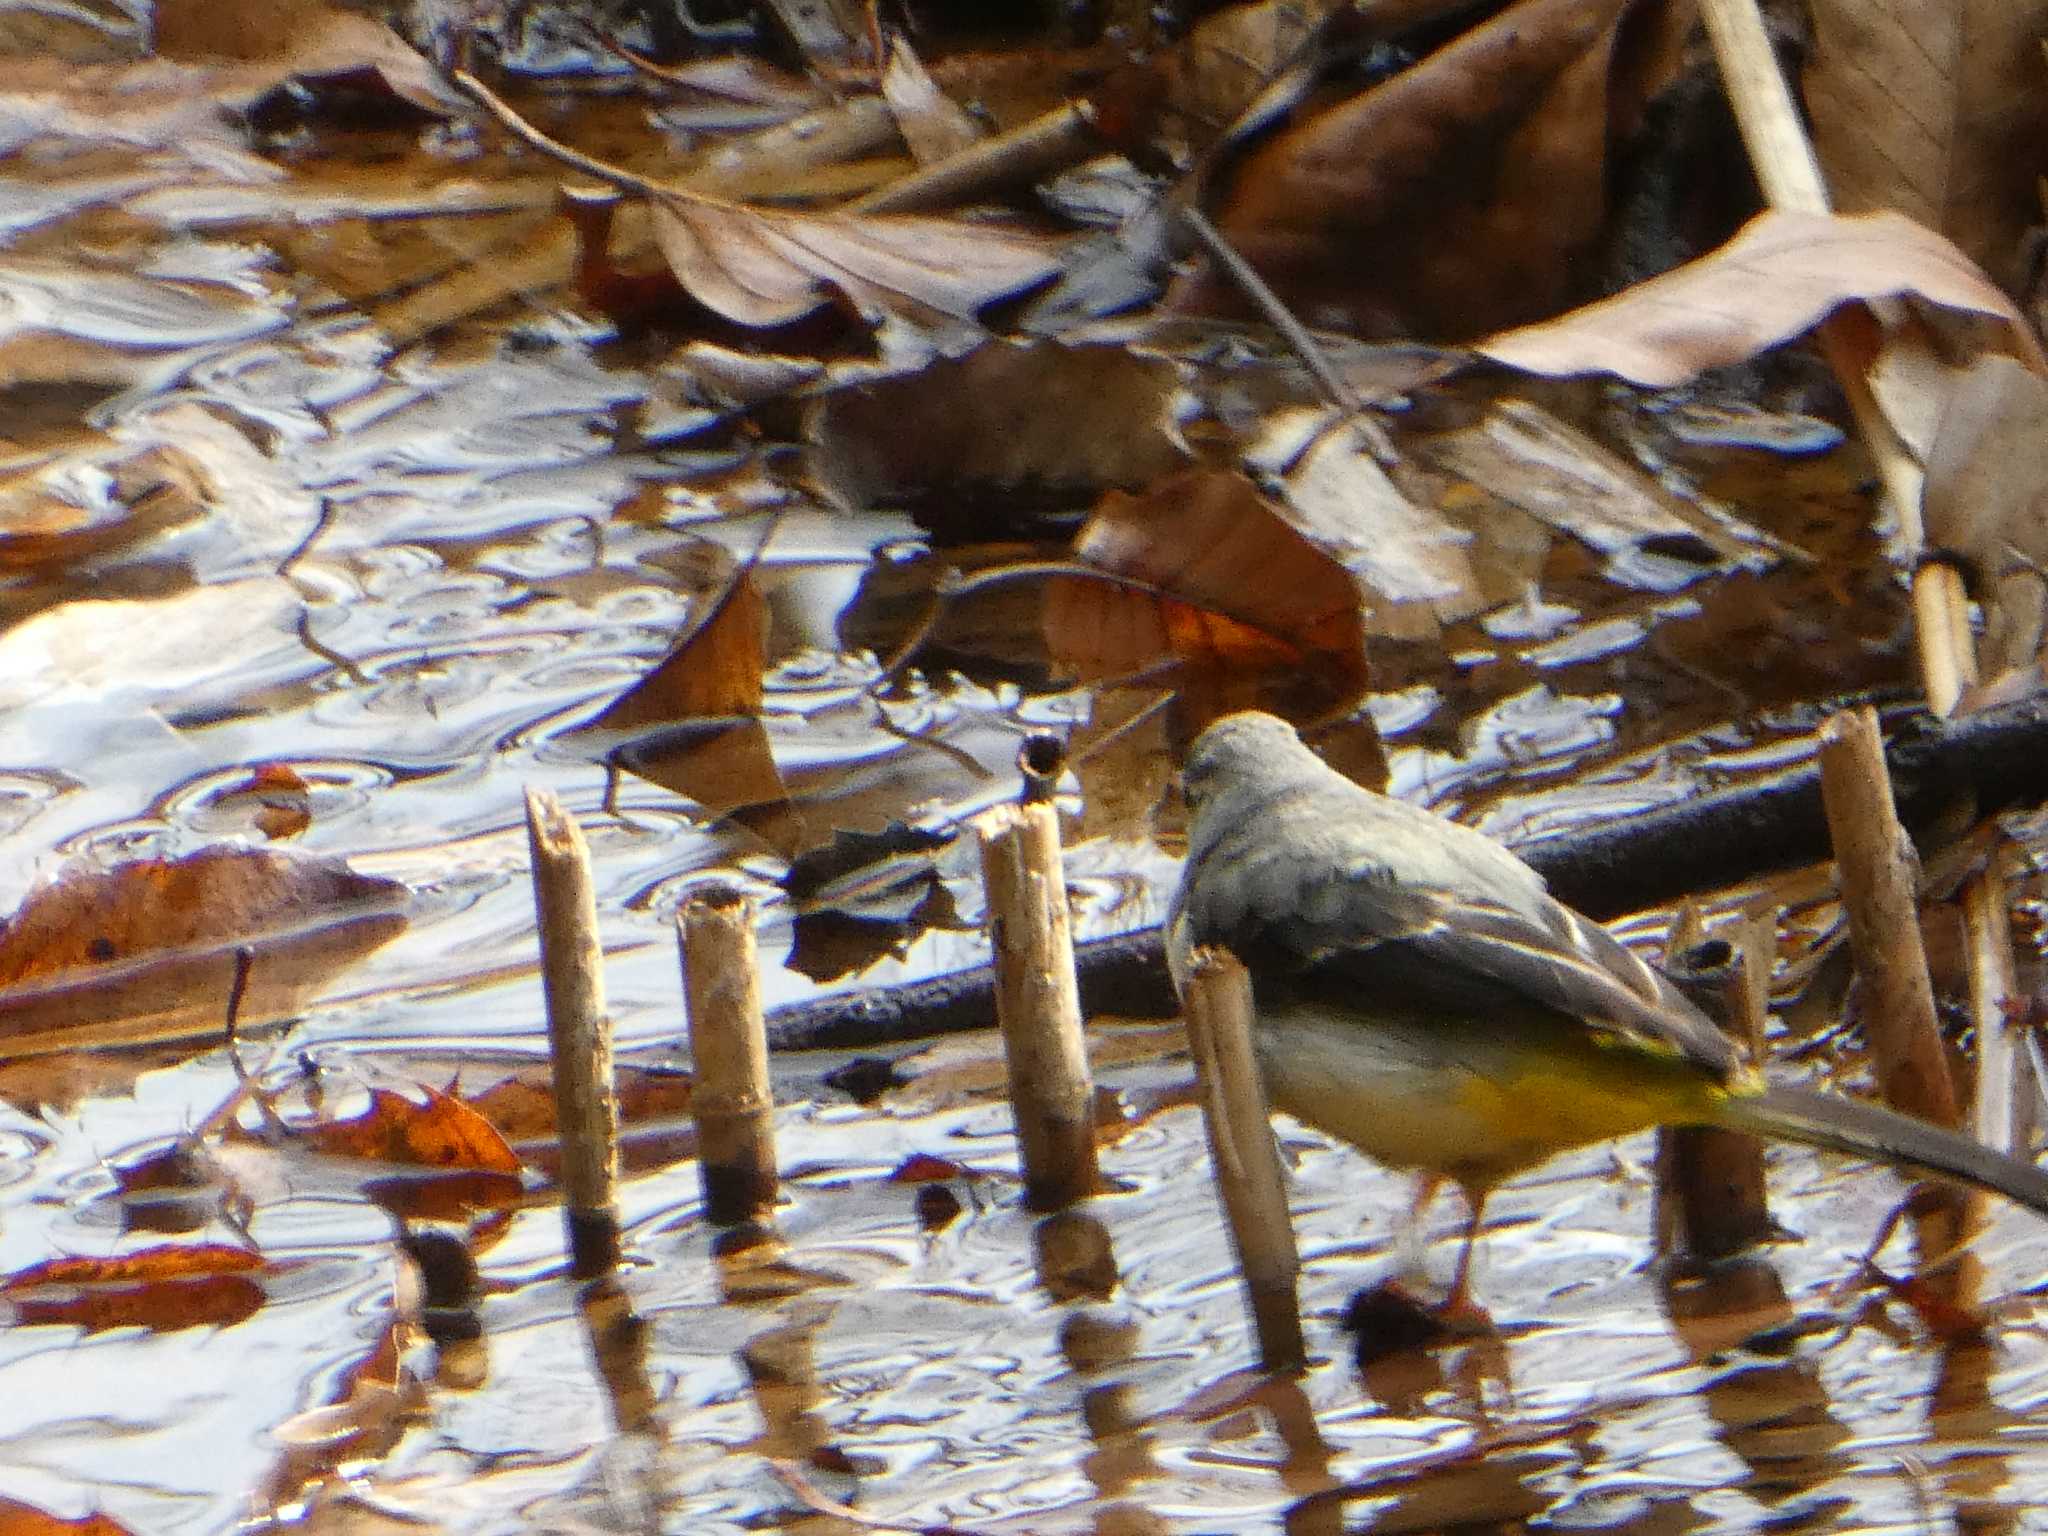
column 1878, row 872
column 579, row 1033
column 1038, row 1002
column 1712, row 1199
column 1218, row 1003
column 2004, row 1094
column 733, row 1101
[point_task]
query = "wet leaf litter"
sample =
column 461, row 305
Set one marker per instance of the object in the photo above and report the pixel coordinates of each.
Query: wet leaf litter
column 361, row 490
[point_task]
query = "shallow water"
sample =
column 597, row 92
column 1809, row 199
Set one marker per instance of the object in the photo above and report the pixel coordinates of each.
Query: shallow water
column 408, row 568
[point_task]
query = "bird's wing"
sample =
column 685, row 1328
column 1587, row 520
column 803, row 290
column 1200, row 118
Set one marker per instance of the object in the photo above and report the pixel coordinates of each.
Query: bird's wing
column 1345, row 935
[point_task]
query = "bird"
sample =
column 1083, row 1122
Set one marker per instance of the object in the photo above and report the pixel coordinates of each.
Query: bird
column 1420, row 994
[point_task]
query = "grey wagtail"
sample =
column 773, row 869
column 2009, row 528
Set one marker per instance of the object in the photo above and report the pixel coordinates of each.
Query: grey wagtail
column 1421, row 995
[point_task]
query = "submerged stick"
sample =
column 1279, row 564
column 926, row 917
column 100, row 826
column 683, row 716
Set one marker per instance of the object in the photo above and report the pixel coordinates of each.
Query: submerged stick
column 1038, row 1003
column 579, row 1033
column 1879, row 883
column 733, row 1101
column 1243, row 1153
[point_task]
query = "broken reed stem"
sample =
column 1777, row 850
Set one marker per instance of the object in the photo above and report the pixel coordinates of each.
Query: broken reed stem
column 732, row 1100
column 1712, row 1200
column 1038, row 1002
column 1218, row 1005
column 1790, row 175
column 1050, row 142
column 1877, row 870
column 579, row 1033
column 2004, row 1074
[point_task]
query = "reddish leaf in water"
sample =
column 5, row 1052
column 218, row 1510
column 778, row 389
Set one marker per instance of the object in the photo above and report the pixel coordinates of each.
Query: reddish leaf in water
column 146, row 950
column 436, row 1131
column 923, row 1168
column 18, row 1519
column 200, row 1285
column 1449, row 200
column 1205, row 577
column 522, row 1106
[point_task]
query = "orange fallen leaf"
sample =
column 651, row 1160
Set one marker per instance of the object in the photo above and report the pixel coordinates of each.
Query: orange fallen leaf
column 522, row 1106
column 162, row 1289
column 1203, row 578
column 274, row 798
column 18, row 1519
column 434, row 1131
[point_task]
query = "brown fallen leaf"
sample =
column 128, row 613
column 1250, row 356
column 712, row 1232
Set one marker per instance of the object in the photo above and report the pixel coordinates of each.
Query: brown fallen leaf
column 161, row 1289
column 1777, row 279
column 295, row 39
column 1524, row 457
column 146, row 950
column 1935, row 111
column 83, row 505
column 1205, row 583
column 1412, row 564
column 1987, row 489
column 693, row 724
column 765, row 268
column 434, row 1130
column 975, row 446
column 1455, row 197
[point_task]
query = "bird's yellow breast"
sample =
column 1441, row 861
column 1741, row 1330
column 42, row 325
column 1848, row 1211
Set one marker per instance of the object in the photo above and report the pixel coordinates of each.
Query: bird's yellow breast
column 1477, row 1101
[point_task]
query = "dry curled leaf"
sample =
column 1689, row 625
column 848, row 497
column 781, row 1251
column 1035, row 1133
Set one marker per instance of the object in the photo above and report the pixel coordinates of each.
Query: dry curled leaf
column 1781, row 276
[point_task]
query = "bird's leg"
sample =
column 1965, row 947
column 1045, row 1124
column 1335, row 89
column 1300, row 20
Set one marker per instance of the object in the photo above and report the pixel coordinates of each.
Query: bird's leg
column 1411, row 1244
column 1459, row 1301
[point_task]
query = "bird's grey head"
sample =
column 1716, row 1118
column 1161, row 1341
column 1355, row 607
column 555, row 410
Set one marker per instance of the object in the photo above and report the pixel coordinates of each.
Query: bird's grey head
column 1249, row 754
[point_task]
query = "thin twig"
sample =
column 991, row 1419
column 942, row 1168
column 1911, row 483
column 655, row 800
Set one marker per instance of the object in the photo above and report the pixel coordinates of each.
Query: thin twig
column 555, row 149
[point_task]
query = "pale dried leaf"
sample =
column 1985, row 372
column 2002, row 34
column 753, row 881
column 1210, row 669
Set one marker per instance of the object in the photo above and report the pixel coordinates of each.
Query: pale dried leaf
column 1411, row 563
column 760, row 267
column 1936, row 108
column 1781, row 276
column 1523, row 456
column 1987, row 492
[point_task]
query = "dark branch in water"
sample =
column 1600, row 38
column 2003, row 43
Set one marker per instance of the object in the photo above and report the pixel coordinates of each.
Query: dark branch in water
column 1996, row 759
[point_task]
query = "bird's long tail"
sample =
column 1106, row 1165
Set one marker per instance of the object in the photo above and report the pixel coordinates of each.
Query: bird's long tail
column 1872, row 1131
